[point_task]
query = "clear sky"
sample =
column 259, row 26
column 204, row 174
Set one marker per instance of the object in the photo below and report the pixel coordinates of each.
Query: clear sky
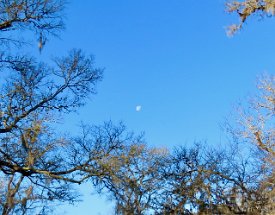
column 171, row 57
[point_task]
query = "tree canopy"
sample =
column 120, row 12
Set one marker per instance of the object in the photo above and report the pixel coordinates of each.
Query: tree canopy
column 41, row 165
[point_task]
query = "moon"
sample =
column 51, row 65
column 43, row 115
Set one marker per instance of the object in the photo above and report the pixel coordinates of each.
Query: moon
column 138, row 108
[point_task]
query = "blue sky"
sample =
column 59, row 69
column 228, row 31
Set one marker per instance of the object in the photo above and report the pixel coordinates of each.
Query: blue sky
column 171, row 57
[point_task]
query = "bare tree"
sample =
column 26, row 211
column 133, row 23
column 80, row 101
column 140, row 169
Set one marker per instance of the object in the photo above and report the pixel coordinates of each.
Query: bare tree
column 190, row 180
column 43, row 17
column 201, row 180
column 31, row 154
column 255, row 129
column 256, row 121
column 247, row 8
column 39, row 165
column 135, row 178
column 44, row 169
